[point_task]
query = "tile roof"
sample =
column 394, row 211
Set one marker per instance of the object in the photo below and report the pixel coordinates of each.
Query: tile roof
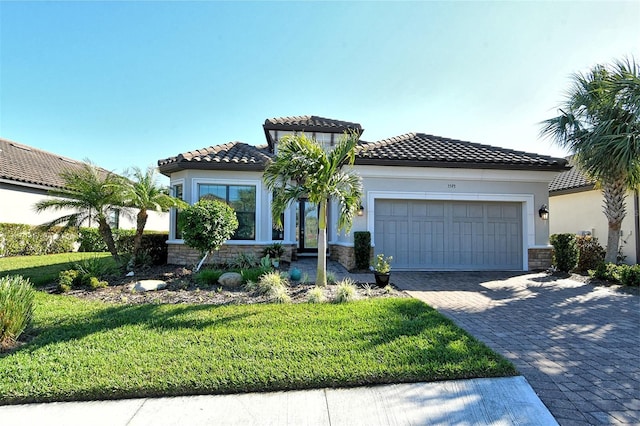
column 570, row 181
column 229, row 156
column 24, row 164
column 310, row 123
column 422, row 150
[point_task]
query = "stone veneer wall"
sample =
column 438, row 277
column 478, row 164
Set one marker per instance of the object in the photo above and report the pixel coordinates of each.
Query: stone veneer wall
column 343, row 255
column 540, row 258
column 181, row 254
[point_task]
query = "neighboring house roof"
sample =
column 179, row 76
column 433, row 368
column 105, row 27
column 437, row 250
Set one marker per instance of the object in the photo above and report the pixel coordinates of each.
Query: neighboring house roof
column 570, row 181
column 422, row 150
column 230, row 156
column 412, row 150
column 22, row 164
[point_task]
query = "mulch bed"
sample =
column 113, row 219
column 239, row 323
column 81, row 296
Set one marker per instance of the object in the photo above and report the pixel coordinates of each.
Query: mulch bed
column 182, row 288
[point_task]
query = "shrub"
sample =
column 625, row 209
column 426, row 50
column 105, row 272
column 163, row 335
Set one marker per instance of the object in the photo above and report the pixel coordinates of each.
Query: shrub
column 630, row 275
column 254, row 274
column 24, row 240
column 16, row 308
column 99, row 267
column 623, row 274
column 245, row 261
column 280, row 295
column 274, row 251
column 316, row 295
column 590, row 253
column 208, row 277
column 68, row 279
column 362, row 249
column 154, row 245
column 270, row 283
column 331, row 277
column 346, row 291
column 95, row 283
column 565, row 251
column 207, row 224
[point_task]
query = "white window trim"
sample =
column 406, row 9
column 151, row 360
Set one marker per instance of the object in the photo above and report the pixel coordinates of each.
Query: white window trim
column 234, row 182
column 527, row 200
column 172, row 211
column 289, row 218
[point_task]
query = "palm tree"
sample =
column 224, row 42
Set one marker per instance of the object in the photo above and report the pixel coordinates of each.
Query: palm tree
column 300, row 169
column 144, row 194
column 89, row 193
column 599, row 123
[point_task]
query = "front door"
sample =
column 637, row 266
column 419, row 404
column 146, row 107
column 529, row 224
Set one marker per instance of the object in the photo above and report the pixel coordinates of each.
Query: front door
column 307, row 227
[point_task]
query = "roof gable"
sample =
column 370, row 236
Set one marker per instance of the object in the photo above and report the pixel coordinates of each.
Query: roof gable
column 422, row 150
column 27, row 165
column 229, row 156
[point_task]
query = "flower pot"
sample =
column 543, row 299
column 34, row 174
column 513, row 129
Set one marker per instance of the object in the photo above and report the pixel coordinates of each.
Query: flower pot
column 382, row 280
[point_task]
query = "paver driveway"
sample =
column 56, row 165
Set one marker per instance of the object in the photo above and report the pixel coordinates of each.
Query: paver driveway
column 578, row 345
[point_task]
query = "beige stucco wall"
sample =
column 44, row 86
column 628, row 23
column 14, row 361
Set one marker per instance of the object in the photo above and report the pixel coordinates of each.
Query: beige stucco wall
column 16, row 206
column 464, row 184
column 190, row 179
column 583, row 211
column 526, row 187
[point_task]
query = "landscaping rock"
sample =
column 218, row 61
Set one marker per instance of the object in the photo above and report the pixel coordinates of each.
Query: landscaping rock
column 149, row 285
column 230, row 279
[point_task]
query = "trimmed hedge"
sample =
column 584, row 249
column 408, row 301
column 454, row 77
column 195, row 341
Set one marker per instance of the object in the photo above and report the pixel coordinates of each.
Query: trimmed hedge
column 565, row 251
column 24, row 240
column 154, row 244
column 362, row 249
column 91, row 240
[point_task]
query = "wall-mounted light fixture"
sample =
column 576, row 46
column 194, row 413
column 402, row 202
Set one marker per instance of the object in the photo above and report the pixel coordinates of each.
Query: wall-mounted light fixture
column 361, row 210
column 544, row 212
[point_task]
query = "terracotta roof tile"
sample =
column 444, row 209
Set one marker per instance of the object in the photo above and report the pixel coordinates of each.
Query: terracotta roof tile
column 230, row 156
column 22, row 163
column 419, row 149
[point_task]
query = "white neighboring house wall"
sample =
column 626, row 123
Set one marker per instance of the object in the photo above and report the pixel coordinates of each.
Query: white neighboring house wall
column 17, row 206
column 582, row 213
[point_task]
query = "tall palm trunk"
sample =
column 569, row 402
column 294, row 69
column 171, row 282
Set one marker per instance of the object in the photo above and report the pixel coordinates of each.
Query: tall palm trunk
column 321, row 272
column 107, row 235
column 614, row 209
column 141, row 222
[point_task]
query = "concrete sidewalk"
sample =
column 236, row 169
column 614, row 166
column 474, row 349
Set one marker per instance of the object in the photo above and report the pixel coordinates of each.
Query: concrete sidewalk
column 500, row 401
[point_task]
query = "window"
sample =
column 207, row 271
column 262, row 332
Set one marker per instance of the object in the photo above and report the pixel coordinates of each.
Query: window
column 114, row 219
column 242, row 198
column 177, row 192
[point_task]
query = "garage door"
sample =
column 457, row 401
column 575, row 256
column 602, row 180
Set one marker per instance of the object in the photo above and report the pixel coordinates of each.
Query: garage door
column 449, row 235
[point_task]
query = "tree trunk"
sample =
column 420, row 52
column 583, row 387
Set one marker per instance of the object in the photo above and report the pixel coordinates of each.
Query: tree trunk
column 141, row 222
column 321, row 272
column 614, row 210
column 107, row 236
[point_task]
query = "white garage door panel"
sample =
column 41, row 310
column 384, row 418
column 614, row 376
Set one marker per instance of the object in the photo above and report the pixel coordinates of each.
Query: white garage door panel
column 449, row 234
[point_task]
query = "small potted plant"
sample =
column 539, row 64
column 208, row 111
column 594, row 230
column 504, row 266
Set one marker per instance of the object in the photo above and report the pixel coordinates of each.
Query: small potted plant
column 382, row 269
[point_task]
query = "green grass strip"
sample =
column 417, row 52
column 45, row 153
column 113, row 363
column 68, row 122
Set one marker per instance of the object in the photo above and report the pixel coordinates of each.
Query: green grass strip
column 84, row 351
column 42, row 270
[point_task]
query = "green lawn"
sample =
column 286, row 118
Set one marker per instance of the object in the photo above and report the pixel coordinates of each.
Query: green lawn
column 42, row 270
column 90, row 350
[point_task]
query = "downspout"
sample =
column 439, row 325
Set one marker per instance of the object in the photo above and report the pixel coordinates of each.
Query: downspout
column 636, row 212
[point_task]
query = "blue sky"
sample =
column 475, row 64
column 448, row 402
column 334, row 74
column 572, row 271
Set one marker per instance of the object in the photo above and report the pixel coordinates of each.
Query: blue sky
column 127, row 83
